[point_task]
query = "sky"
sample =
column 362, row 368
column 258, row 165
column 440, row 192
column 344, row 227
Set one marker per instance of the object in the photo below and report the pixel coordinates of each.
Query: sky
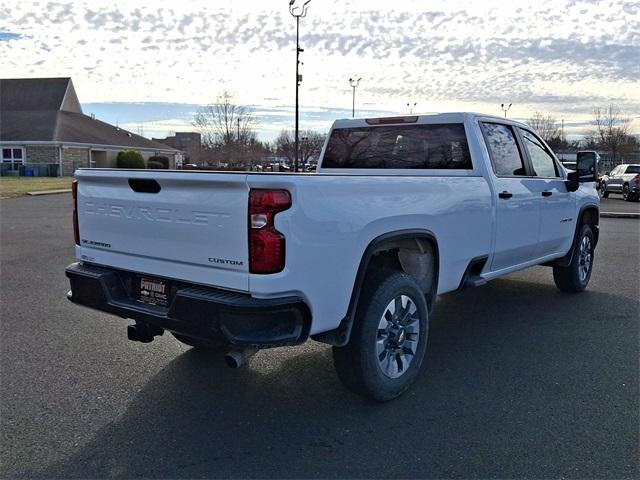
column 149, row 65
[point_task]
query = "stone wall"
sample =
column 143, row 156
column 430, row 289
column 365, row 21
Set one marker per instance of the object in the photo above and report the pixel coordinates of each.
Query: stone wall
column 74, row 158
column 42, row 154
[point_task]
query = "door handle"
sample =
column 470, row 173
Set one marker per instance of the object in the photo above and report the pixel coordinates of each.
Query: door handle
column 505, row 195
column 547, row 193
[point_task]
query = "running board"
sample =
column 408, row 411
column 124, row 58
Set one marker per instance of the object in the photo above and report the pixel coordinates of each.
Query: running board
column 471, row 277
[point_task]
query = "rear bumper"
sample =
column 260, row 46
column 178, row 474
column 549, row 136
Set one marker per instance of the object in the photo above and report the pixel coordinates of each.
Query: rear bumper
column 194, row 310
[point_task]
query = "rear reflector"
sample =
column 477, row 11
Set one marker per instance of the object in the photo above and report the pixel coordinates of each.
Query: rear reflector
column 74, row 194
column 266, row 244
column 390, row 120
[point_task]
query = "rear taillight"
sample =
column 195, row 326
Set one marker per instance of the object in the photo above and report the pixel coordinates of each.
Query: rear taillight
column 76, row 230
column 636, row 179
column 266, row 244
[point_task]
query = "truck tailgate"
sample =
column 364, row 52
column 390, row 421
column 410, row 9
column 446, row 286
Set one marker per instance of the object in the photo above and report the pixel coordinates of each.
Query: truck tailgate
column 194, row 228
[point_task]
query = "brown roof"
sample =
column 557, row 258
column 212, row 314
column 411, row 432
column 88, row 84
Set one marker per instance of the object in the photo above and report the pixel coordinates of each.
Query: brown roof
column 20, row 94
column 44, row 110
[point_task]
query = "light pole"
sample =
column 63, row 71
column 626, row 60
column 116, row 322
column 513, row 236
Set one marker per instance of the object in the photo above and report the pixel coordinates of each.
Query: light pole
column 505, row 109
column 354, row 83
column 298, row 12
column 411, row 107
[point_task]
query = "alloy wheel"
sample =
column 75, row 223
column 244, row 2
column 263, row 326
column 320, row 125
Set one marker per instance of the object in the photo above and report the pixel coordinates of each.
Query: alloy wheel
column 398, row 336
column 585, row 258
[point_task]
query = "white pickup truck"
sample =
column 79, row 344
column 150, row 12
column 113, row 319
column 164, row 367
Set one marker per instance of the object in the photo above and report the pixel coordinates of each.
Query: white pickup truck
column 401, row 210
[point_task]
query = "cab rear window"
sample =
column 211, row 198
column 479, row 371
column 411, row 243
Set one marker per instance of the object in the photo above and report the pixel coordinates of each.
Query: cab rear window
column 399, row 147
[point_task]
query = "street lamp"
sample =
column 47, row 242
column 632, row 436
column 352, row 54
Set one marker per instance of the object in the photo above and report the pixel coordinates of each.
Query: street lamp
column 505, row 109
column 411, row 107
column 297, row 12
column 354, row 83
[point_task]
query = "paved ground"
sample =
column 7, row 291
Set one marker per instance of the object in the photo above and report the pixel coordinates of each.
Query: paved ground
column 615, row 203
column 521, row 381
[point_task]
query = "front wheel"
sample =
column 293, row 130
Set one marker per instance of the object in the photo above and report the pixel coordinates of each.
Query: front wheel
column 575, row 277
column 388, row 341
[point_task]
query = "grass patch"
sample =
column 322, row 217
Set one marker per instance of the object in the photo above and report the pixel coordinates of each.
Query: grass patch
column 17, row 186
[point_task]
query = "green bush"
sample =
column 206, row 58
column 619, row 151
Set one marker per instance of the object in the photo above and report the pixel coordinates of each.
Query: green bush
column 158, row 162
column 130, row 159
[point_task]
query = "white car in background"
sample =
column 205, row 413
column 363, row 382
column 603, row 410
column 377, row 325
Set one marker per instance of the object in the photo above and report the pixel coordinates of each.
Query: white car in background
column 623, row 179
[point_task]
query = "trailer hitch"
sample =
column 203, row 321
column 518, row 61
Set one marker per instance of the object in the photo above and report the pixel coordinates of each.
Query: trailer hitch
column 143, row 332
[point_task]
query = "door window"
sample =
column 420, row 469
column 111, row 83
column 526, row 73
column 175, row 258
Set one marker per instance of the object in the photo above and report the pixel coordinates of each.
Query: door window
column 541, row 160
column 503, row 149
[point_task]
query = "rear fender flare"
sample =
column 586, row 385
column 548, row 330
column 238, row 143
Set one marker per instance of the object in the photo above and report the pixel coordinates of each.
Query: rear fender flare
column 340, row 336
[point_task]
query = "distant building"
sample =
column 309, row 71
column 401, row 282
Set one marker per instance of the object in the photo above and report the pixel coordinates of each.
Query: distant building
column 190, row 143
column 42, row 125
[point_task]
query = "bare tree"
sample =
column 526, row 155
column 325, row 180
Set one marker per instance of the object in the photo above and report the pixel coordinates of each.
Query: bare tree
column 310, row 145
column 611, row 130
column 227, row 129
column 548, row 128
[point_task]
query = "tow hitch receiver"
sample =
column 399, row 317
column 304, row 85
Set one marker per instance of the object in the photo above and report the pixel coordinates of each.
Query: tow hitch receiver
column 143, row 332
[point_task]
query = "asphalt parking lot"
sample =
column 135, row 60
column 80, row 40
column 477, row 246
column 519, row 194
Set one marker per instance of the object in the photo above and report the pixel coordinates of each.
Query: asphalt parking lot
column 521, row 381
column 614, row 203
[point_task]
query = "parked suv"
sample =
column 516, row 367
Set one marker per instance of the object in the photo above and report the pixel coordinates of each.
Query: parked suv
column 624, row 179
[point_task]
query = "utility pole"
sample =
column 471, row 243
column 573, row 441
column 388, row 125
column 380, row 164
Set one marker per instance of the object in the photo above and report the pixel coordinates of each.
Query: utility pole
column 354, row 83
column 505, row 109
column 297, row 12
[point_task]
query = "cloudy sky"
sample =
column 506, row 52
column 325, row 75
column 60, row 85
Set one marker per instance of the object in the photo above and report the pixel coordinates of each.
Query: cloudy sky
column 148, row 64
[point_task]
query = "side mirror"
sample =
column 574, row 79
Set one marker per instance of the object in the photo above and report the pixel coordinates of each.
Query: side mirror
column 586, row 168
column 607, row 173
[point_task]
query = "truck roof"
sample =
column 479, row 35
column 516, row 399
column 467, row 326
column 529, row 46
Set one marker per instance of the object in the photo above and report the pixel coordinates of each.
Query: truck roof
column 422, row 118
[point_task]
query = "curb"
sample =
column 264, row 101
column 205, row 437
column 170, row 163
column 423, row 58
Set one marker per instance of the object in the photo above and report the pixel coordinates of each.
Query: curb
column 49, row 192
column 619, row 215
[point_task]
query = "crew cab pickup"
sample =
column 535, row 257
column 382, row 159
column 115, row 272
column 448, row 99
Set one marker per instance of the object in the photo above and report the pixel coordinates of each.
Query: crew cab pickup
column 401, row 210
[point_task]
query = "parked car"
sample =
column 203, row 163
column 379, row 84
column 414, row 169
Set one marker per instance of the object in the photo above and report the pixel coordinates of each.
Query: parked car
column 401, row 210
column 623, row 179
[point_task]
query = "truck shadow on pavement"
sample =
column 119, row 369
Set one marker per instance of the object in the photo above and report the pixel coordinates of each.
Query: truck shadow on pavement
column 520, row 380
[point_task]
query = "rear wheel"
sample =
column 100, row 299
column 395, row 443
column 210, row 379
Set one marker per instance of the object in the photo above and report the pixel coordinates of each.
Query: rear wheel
column 200, row 344
column 388, row 341
column 575, row 277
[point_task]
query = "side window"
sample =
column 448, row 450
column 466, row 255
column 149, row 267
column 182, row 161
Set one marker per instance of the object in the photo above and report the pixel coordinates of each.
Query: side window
column 502, row 145
column 542, row 161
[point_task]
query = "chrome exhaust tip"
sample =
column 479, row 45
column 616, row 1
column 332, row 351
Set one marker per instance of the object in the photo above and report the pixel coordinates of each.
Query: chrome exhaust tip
column 237, row 358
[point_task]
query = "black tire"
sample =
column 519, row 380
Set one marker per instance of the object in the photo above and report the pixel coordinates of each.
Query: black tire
column 358, row 364
column 201, row 344
column 574, row 278
column 626, row 196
